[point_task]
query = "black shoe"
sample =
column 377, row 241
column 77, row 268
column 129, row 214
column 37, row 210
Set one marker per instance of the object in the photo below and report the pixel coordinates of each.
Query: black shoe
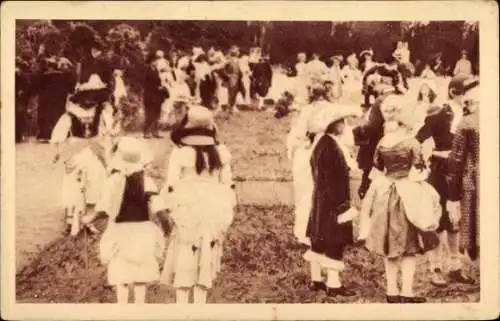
column 413, row 299
column 460, row 277
column 393, row 298
column 317, row 286
column 342, row 291
column 157, row 136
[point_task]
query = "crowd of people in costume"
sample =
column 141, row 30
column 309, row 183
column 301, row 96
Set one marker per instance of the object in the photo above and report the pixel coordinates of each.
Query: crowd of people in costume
column 213, row 79
column 407, row 197
column 190, row 213
column 414, row 198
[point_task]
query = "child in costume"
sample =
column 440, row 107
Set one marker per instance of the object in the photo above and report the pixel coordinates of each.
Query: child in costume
column 329, row 226
column 400, row 211
column 199, row 193
column 83, row 139
column 132, row 246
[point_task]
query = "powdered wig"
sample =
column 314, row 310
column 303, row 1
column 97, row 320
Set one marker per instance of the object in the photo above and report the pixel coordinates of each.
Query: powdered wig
column 390, row 106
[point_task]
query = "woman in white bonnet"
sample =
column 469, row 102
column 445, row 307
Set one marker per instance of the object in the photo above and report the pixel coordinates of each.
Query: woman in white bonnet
column 82, row 143
column 301, row 79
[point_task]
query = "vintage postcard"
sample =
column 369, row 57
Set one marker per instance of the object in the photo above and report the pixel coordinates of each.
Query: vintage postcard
column 249, row 160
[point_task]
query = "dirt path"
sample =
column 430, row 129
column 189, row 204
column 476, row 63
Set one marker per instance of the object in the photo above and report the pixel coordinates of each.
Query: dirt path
column 39, row 220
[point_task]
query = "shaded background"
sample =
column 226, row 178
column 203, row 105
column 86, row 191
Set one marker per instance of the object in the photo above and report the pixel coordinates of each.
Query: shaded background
column 128, row 41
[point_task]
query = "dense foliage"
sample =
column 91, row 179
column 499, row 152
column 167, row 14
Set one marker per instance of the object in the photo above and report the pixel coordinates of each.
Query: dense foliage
column 282, row 39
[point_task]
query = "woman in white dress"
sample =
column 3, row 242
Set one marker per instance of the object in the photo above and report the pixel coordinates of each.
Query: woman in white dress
column 301, row 93
column 83, row 139
column 426, row 99
column 199, row 192
column 246, row 72
column 316, row 70
column 352, row 78
column 299, row 145
column 335, row 76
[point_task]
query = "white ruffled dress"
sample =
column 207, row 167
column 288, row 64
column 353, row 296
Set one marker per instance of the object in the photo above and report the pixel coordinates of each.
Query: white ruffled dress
column 84, row 158
column 132, row 251
column 202, row 208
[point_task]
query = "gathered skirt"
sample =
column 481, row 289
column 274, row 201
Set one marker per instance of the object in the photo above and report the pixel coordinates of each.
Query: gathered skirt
column 87, row 178
column 202, row 212
column 132, row 252
column 303, row 189
column 391, row 235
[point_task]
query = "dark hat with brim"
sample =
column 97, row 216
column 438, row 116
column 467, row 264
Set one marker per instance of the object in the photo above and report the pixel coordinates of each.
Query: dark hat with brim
column 95, row 96
column 458, row 84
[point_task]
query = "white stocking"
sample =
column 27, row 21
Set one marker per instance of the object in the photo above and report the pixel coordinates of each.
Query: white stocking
column 122, row 292
column 316, row 272
column 199, row 295
column 391, row 275
column 182, row 295
column 333, row 279
column 140, row 293
column 408, row 264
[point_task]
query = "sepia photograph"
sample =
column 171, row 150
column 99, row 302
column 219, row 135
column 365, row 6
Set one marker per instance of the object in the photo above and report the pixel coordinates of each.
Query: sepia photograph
column 248, row 161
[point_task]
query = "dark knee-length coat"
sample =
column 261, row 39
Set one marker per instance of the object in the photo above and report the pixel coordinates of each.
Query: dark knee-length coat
column 331, row 198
